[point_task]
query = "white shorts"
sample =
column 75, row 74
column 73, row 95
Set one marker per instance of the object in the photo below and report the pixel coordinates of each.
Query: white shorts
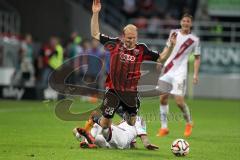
column 101, row 142
column 118, row 140
column 179, row 85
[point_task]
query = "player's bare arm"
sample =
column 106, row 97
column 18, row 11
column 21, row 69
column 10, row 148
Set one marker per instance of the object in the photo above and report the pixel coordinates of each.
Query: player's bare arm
column 197, row 62
column 147, row 144
column 168, row 50
column 96, row 7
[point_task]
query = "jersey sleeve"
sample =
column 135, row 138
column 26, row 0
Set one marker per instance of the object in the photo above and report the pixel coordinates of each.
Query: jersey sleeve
column 197, row 49
column 140, row 126
column 104, row 39
column 149, row 54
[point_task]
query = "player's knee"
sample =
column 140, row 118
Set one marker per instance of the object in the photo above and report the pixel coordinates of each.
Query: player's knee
column 105, row 123
column 164, row 100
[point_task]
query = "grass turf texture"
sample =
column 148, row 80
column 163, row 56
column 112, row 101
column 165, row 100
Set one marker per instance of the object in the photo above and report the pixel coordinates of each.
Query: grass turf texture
column 30, row 130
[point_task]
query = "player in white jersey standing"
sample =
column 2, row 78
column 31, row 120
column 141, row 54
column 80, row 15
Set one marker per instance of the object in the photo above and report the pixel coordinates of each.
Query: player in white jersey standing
column 175, row 72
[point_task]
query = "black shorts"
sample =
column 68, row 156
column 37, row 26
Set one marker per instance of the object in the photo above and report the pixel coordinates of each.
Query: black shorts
column 129, row 102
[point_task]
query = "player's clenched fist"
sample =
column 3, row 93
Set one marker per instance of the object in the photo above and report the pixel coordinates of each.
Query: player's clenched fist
column 173, row 39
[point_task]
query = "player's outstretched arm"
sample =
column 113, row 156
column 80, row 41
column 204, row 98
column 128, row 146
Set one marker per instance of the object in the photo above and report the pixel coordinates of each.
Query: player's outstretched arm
column 147, row 144
column 197, row 62
column 96, row 7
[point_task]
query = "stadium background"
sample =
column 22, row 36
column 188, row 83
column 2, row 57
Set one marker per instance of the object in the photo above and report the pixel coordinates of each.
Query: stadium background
column 30, row 31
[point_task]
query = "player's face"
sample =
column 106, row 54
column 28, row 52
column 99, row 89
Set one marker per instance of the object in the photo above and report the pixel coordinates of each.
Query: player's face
column 130, row 39
column 186, row 23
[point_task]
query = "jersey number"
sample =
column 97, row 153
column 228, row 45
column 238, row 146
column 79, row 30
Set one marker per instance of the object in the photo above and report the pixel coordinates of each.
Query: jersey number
column 109, row 110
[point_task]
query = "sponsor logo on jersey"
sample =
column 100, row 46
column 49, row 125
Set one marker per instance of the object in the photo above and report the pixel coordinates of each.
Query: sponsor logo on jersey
column 127, row 57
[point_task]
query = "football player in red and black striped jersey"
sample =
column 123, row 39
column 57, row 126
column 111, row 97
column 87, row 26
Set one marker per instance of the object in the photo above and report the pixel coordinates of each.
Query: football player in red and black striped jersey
column 126, row 56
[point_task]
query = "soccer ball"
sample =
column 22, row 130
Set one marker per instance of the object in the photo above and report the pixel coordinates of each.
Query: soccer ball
column 180, row 147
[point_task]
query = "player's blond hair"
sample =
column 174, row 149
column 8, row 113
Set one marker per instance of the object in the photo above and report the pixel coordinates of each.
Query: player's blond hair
column 130, row 27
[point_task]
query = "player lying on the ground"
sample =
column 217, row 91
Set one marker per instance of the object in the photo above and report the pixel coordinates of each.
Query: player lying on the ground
column 121, row 136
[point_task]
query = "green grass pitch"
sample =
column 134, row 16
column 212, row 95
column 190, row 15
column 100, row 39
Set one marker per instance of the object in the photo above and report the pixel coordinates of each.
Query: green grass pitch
column 30, row 130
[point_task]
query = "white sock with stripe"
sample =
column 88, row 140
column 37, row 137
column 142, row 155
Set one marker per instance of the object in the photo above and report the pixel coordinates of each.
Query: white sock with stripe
column 163, row 115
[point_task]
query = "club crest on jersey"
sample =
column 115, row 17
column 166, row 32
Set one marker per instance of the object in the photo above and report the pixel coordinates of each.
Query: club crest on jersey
column 189, row 41
column 109, row 46
column 136, row 51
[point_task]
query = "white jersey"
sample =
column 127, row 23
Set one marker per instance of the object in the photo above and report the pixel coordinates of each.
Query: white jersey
column 133, row 131
column 175, row 68
column 177, row 62
column 122, row 135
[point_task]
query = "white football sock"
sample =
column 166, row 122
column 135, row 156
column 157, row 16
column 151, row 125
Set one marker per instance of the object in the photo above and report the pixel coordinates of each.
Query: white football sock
column 163, row 115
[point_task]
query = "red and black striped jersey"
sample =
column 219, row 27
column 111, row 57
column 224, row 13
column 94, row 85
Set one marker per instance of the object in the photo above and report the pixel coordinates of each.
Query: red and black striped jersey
column 125, row 63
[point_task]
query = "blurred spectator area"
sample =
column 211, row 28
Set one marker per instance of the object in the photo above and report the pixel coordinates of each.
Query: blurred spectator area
column 118, row 12
column 155, row 19
column 9, row 18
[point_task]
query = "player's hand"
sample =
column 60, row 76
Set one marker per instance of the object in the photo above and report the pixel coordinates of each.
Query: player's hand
column 195, row 79
column 173, row 39
column 96, row 6
column 152, row 147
